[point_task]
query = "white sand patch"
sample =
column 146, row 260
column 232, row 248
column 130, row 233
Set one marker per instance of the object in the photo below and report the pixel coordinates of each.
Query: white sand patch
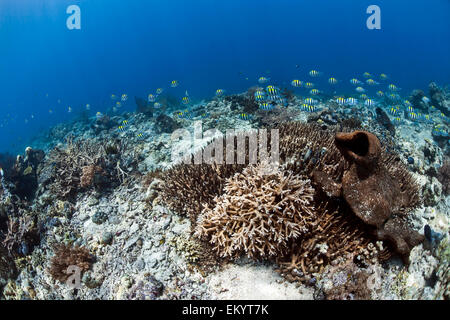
column 255, row 282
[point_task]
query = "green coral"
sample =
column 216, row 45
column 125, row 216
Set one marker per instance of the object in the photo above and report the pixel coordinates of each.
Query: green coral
column 189, row 248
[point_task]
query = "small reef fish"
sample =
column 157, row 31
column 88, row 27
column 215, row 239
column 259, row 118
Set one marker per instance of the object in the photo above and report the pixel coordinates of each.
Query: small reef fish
column 308, row 107
column 393, row 87
column 383, row 76
column 363, row 96
column 314, row 73
column 351, row 101
column 159, row 90
column 263, row 80
column 314, row 92
column 340, row 101
column 393, row 111
column 372, row 82
column 309, row 85
column 124, row 97
column 118, row 104
column 296, row 83
column 266, row 106
column 244, row 116
column 355, row 81
column 69, row 109
column 380, row 93
column 219, row 92
column 410, row 109
column 157, row 105
column 271, row 90
column 406, row 103
column 360, row 89
column 310, row 101
column 113, row 97
column 174, row 84
column 186, row 100
column 332, row 80
column 88, row 107
column 397, row 120
column 369, row 102
column 367, row 75
column 412, row 116
column 425, row 100
column 151, row 98
column 260, row 95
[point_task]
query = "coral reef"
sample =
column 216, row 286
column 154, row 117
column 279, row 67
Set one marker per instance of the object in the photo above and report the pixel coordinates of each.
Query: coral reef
column 384, row 120
column 66, row 256
column 376, row 193
column 438, row 98
column 261, row 210
column 444, row 176
column 82, row 164
column 335, row 233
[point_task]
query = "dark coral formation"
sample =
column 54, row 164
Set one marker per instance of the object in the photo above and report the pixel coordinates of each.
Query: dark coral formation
column 384, row 120
column 67, row 256
column 444, row 176
column 188, row 187
column 8, row 268
column 22, row 176
column 417, row 100
column 165, row 124
column 143, row 107
column 438, row 98
column 247, row 101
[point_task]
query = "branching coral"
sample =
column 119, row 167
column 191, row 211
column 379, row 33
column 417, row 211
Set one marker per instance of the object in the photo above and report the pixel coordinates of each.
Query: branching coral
column 261, row 210
column 20, row 234
column 83, row 163
column 67, row 256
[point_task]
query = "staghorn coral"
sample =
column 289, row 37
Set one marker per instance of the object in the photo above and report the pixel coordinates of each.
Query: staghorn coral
column 83, row 163
column 261, row 210
column 21, row 234
column 186, row 187
column 66, row 256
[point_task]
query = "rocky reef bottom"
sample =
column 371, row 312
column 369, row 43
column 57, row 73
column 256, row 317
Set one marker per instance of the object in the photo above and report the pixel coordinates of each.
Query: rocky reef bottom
column 103, row 196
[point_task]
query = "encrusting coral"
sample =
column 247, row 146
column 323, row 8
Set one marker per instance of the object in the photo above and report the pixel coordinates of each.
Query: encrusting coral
column 261, row 210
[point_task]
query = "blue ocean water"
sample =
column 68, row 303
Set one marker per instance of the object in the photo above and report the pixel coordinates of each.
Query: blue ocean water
column 136, row 46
